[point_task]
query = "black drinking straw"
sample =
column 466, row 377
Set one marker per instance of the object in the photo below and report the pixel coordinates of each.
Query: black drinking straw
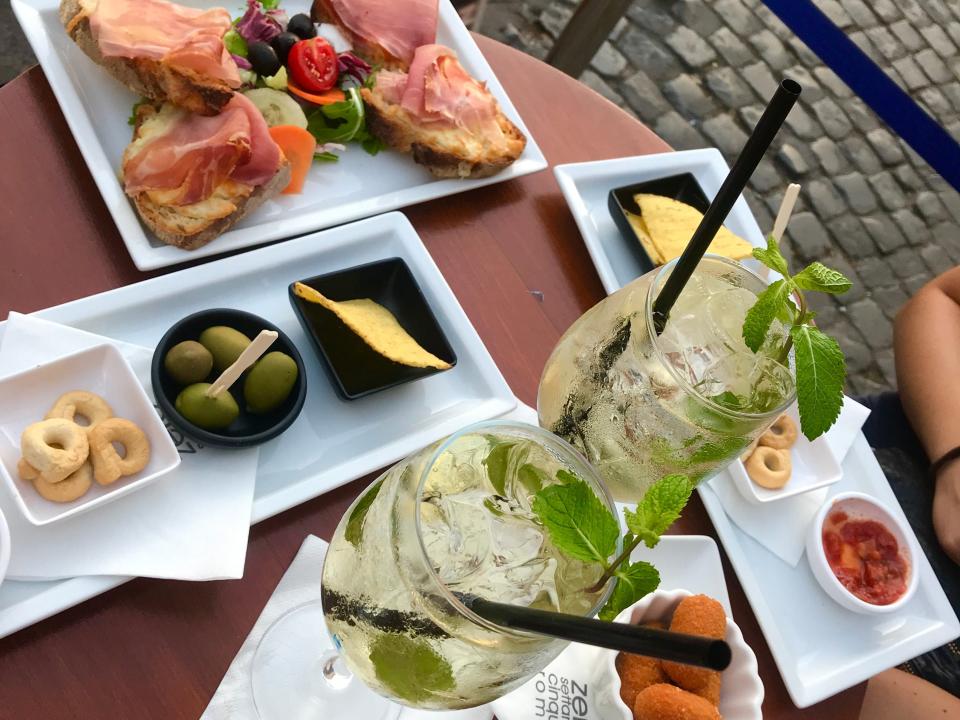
column 663, row 644
column 758, row 142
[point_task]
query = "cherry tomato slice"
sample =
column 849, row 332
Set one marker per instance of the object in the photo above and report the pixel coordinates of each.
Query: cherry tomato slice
column 313, row 65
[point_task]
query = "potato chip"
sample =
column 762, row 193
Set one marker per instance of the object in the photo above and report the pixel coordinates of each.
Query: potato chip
column 377, row 327
column 640, row 230
column 672, row 223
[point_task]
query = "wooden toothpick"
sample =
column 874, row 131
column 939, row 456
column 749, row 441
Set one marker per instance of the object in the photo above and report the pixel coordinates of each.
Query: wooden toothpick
column 786, row 209
column 247, row 358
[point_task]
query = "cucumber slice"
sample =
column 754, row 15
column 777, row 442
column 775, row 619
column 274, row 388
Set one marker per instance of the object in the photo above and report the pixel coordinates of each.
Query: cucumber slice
column 277, row 107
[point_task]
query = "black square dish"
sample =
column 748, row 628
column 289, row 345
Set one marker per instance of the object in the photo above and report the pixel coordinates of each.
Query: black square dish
column 354, row 367
column 683, row 187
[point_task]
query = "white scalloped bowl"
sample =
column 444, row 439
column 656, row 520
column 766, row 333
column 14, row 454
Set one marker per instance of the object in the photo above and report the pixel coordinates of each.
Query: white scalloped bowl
column 741, row 693
column 4, row 546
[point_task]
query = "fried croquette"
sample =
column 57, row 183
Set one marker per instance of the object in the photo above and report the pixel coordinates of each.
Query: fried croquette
column 696, row 615
column 636, row 673
column 668, row 702
column 710, row 691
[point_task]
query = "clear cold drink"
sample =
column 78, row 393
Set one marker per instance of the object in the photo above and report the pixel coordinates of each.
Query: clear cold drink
column 641, row 407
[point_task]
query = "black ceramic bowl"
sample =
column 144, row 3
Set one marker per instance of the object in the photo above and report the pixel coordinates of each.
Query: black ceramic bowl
column 354, row 367
column 683, row 187
column 248, row 429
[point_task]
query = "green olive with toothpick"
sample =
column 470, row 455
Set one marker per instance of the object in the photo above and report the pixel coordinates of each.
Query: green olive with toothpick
column 209, row 413
column 269, row 382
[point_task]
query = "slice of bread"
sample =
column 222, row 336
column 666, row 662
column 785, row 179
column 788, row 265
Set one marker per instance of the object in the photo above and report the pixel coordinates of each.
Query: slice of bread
column 192, row 226
column 152, row 79
column 322, row 12
column 445, row 152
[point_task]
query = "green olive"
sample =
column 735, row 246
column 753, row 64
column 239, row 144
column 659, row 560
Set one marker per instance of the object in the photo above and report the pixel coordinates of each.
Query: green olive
column 269, row 382
column 225, row 344
column 210, row 413
column 188, row 362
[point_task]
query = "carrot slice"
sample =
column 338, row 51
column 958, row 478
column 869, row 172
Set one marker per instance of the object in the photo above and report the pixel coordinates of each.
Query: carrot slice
column 298, row 145
column 333, row 95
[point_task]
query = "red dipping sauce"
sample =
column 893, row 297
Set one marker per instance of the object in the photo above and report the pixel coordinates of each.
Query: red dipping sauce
column 865, row 557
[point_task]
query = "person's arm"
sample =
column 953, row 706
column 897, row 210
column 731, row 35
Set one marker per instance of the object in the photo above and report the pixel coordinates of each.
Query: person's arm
column 927, row 352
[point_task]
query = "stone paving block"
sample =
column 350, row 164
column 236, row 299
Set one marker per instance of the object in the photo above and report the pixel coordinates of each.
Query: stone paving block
column 828, row 154
column 609, row 61
column 953, row 30
column 936, row 258
column 775, row 24
column 938, row 10
column 909, row 178
column 687, row 95
column 939, row 41
column 933, row 66
column 766, row 177
column 792, row 159
column 806, row 55
column 857, row 290
column 697, row 15
column 913, row 12
column 554, row 18
column 850, row 234
column 836, row 12
column 930, row 206
column 914, row 229
column 862, row 41
column 644, row 96
column 691, row 48
column 890, row 193
column 803, row 124
column 678, row 132
column 725, row 134
column 737, row 15
column 730, row 47
column 761, row 80
column 887, row 366
column 885, row 145
column 771, row 49
column 825, row 199
column 598, row 84
column 947, row 236
column 832, row 118
column 887, row 236
column 866, row 385
column 875, row 271
column 648, row 54
column 906, row 33
column 913, row 284
column 653, row 16
column 862, row 155
column 937, row 104
column 867, row 316
column 858, row 355
column 952, row 92
column 751, row 114
column 913, row 77
column 808, row 236
column 858, row 11
column 886, row 10
column 951, row 198
column 857, row 192
column 885, row 43
column 832, row 82
column 906, row 262
column 811, row 88
column 729, row 88
column 890, row 299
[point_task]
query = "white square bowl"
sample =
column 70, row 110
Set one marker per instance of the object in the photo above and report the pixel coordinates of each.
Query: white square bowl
column 25, row 398
column 814, row 467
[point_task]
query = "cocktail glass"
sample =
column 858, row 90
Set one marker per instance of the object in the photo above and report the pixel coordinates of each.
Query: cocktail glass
column 452, row 519
column 641, row 406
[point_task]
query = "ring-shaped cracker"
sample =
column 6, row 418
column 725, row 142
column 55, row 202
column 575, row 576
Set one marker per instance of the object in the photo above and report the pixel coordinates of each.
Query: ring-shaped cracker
column 81, row 403
column 108, row 465
column 37, row 445
column 782, row 435
column 768, row 467
column 69, row 489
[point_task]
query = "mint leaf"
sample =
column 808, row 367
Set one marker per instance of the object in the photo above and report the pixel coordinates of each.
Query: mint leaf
column 769, row 304
column 132, row 120
column 354, row 531
column 532, row 478
column 772, row 257
column 578, row 523
column 817, row 276
column 566, row 477
column 660, row 507
column 410, row 668
column 633, row 583
column 820, row 369
column 496, row 464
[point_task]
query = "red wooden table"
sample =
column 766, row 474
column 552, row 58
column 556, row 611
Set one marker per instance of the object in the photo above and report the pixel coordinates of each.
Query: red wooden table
column 158, row 649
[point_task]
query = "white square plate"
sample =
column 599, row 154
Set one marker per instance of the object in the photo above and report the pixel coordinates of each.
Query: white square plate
column 813, row 466
column 587, row 185
column 333, row 441
column 821, row 648
column 26, row 397
column 96, row 108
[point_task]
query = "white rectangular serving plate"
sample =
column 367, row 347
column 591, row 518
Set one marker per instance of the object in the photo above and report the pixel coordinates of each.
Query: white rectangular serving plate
column 333, row 441
column 821, row 648
column 587, row 185
column 96, row 108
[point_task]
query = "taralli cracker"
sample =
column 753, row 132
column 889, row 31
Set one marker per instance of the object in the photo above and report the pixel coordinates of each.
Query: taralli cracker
column 108, row 465
column 81, row 404
column 768, row 467
column 72, row 487
column 672, row 223
column 54, row 447
column 782, row 435
column 377, row 327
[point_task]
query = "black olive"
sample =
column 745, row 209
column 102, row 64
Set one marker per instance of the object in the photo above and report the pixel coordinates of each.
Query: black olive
column 302, row 26
column 282, row 44
column 263, row 58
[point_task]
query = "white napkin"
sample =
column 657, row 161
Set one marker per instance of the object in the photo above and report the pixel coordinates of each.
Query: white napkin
column 782, row 526
column 300, row 584
column 190, row 525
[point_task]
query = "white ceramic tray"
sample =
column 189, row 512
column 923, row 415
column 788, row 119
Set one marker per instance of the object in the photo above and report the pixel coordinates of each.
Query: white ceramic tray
column 333, row 441
column 96, row 108
column 819, row 647
column 587, row 185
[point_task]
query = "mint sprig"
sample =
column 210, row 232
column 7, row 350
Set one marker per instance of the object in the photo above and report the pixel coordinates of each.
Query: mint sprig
column 819, row 365
column 582, row 527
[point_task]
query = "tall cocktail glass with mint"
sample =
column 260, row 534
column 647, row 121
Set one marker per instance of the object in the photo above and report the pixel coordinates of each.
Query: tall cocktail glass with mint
column 642, row 406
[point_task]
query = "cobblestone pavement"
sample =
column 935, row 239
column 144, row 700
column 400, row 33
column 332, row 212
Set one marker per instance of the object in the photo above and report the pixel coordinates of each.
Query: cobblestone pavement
column 699, row 74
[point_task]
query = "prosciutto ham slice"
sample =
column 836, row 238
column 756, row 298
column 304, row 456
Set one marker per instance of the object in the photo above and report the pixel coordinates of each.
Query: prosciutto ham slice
column 398, row 27
column 437, row 90
column 191, row 155
column 179, row 36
